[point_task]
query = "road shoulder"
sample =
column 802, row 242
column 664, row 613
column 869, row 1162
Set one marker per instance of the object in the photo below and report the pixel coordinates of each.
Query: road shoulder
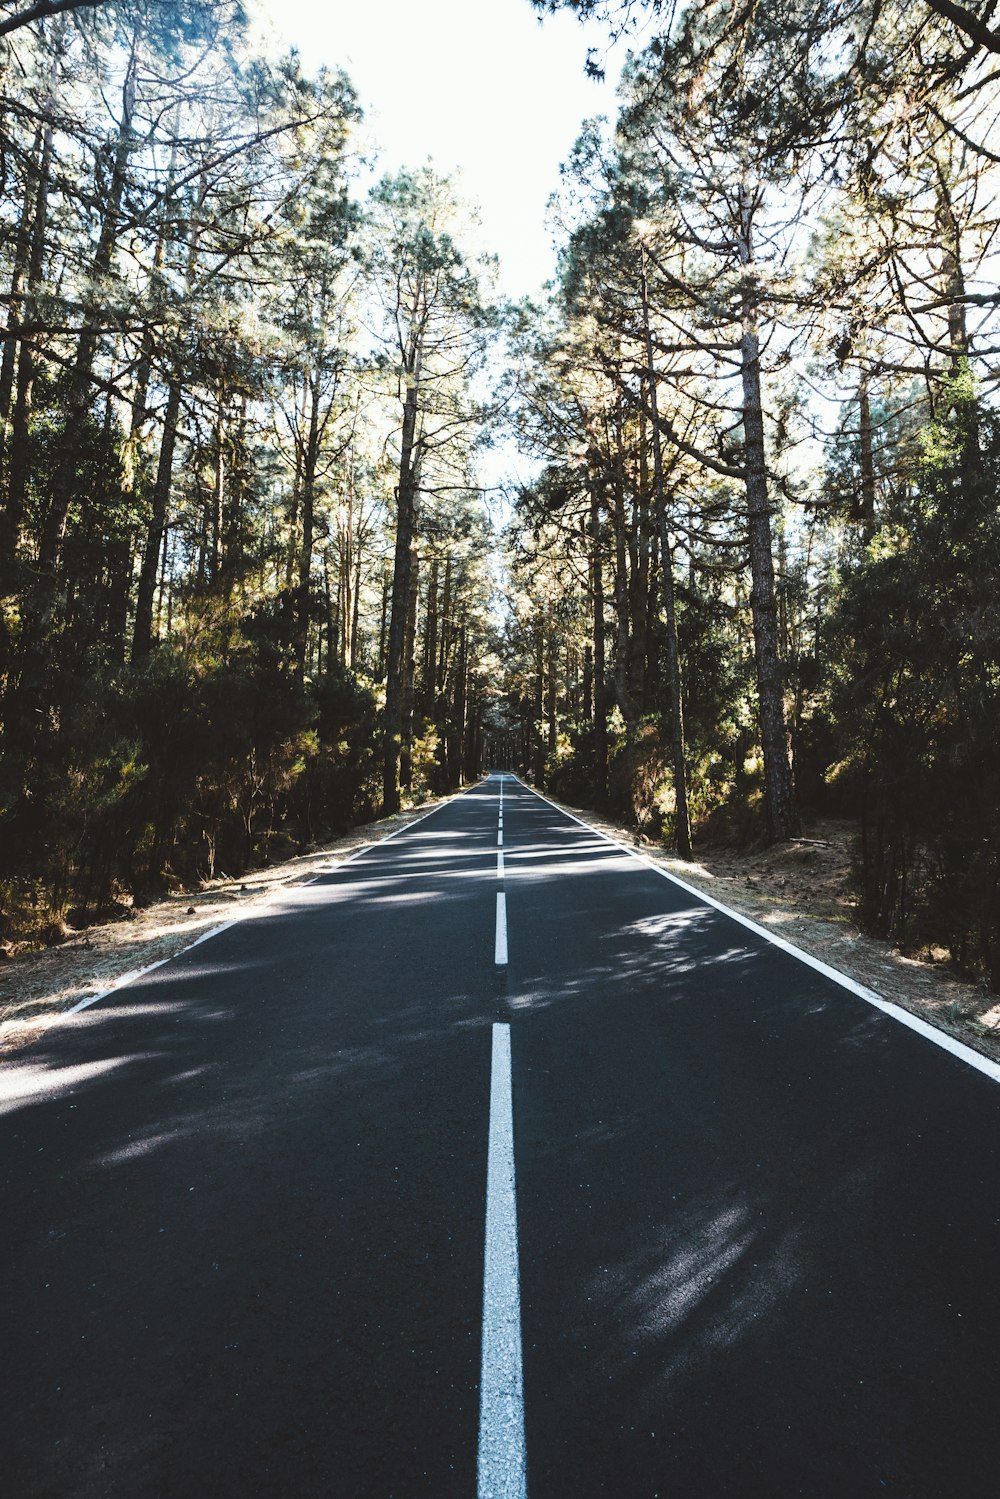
column 752, row 885
column 37, row 987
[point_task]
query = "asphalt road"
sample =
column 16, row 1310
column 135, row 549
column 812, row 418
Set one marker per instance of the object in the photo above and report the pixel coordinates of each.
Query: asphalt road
column 245, row 1223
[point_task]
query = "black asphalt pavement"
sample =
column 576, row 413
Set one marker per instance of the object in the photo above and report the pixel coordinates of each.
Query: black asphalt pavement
column 244, row 1197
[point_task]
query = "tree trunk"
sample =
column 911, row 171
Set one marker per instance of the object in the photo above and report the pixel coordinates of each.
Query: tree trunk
column 19, row 273
column 406, row 505
column 356, row 609
column 218, row 493
column 600, row 693
column 952, row 277
column 233, row 534
column 308, row 508
column 538, row 707
column 382, row 628
column 143, row 628
column 347, row 570
column 329, row 614
column 620, row 675
column 431, row 641
column 778, row 794
column 675, row 690
column 444, row 627
column 292, row 549
column 866, row 504
column 642, row 542
column 461, row 687
column 550, row 692
column 409, row 674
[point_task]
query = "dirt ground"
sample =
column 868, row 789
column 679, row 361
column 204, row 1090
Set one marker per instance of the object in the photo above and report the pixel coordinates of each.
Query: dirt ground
column 36, row 987
column 800, row 890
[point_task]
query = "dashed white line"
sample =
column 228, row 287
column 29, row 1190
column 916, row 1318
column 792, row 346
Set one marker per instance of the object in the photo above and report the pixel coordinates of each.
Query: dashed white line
column 500, row 865
column 499, row 837
column 500, row 952
column 502, row 1466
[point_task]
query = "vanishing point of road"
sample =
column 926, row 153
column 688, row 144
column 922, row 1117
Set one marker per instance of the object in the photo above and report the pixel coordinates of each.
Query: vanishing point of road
column 493, row 1162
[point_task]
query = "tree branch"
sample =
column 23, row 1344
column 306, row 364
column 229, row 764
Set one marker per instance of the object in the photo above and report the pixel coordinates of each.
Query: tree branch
column 40, row 11
column 968, row 23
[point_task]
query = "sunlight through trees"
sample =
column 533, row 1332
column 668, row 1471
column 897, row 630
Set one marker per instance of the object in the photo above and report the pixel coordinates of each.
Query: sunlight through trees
column 251, row 587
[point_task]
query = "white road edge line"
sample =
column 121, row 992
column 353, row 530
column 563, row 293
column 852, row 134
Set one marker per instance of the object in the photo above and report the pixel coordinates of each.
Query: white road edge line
column 256, row 909
column 138, row 973
column 957, row 1048
column 500, row 951
column 502, row 1463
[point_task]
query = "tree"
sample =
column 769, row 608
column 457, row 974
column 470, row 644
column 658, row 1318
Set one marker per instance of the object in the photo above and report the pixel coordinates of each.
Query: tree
column 435, row 328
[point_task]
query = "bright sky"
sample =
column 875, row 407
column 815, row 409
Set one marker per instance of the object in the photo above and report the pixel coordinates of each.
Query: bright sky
column 478, row 85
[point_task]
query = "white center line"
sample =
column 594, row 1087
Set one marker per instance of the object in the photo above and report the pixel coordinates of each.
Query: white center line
column 499, row 837
column 500, row 957
column 500, row 865
column 502, row 1468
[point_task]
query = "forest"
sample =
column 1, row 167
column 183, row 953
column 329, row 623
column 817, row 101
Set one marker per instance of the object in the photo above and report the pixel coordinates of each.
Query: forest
column 253, row 589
